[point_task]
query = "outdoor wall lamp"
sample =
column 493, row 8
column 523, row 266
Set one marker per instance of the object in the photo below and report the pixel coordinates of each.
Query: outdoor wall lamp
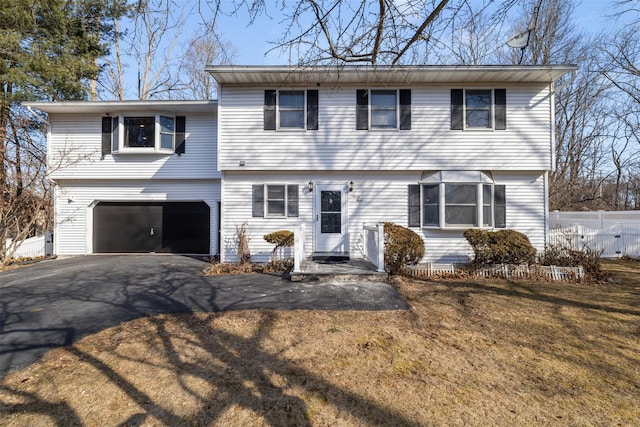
column 351, row 186
column 310, row 186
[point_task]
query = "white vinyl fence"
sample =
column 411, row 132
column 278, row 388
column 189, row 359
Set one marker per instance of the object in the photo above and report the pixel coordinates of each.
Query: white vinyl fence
column 35, row 247
column 614, row 234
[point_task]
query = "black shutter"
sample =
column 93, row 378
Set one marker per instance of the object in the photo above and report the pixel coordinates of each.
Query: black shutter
column 362, row 109
column 292, row 200
column 414, row 205
column 500, row 108
column 181, row 140
column 258, row 201
column 457, row 101
column 269, row 110
column 106, row 136
column 405, row 109
column 312, row 109
column 500, row 205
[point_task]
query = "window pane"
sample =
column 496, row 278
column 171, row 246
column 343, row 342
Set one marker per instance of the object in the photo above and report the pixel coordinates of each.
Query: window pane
column 166, row 124
column 331, row 223
column 460, row 194
column 139, row 131
column 430, row 209
column 166, row 141
column 275, row 207
column 383, row 119
column 292, row 119
column 487, row 211
column 486, row 216
column 431, row 215
column 292, row 99
column 461, row 204
column 275, row 192
column 478, row 99
column 383, row 99
column 330, row 201
column 478, row 119
column 461, row 215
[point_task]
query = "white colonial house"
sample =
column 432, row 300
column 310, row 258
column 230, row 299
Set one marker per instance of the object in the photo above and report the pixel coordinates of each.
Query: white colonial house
column 323, row 151
column 436, row 149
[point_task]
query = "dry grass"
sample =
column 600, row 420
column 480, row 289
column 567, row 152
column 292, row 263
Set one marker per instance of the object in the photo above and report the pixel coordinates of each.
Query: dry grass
column 473, row 352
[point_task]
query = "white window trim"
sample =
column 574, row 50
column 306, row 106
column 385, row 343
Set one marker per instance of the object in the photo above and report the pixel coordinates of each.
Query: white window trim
column 442, row 225
column 370, row 107
column 156, row 149
column 265, row 201
column 492, row 124
column 304, row 111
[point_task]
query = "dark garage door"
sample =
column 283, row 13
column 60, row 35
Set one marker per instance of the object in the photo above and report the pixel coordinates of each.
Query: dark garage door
column 177, row 227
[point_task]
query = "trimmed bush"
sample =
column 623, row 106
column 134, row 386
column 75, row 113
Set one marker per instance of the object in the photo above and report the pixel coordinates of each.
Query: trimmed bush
column 500, row 247
column 402, row 247
column 280, row 238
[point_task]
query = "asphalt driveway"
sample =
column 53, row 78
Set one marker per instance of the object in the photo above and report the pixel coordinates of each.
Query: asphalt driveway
column 55, row 303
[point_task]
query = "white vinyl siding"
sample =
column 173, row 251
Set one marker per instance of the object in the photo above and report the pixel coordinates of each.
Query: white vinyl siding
column 430, row 145
column 75, row 147
column 74, row 202
column 377, row 196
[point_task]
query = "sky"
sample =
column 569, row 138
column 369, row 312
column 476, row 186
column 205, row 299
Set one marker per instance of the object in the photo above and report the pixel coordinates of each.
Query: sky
column 251, row 42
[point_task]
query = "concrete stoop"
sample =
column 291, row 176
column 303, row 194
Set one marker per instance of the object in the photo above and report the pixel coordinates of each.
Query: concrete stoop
column 345, row 269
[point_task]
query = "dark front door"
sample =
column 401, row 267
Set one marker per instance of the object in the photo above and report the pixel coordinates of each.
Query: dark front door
column 177, row 227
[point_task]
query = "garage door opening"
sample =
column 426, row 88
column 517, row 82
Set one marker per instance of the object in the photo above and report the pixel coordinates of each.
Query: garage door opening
column 140, row 227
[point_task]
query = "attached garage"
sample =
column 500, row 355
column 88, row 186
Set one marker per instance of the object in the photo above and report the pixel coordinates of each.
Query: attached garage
column 173, row 227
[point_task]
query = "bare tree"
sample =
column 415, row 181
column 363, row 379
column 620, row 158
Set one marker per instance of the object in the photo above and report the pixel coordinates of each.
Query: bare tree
column 203, row 50
column 149, row 37
column 373, row 32
column 26, row 200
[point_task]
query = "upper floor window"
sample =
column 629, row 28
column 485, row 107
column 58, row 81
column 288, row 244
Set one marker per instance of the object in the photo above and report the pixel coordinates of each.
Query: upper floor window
column 143, row 134
column 290, row 109
column 478, row 109
column 383, row 109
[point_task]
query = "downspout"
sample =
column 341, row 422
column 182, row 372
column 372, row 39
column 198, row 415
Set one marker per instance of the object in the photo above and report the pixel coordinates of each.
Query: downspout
column 552, row 166
column 221, row 220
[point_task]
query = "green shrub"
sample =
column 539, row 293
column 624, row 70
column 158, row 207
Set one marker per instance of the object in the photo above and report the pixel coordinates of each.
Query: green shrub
column 402, row 247
column 280, row 238
column 500, row 247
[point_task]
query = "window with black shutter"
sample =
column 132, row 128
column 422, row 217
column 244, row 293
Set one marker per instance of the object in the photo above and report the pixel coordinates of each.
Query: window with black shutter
column 441, row 204
column 383, row 109
column 291, row 109
column 478, row 109
column 275, row 200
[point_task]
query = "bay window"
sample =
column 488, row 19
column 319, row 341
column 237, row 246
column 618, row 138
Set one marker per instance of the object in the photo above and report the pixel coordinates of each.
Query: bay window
column 455, row 199
column 143, row 134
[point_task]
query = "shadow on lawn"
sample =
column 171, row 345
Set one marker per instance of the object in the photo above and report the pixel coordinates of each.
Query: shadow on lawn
column 236, row 369
column 533, row 292
column 599, row 337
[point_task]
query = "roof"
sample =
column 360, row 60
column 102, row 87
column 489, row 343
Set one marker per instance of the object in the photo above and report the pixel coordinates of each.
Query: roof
column 110, row 107
column 396, row 75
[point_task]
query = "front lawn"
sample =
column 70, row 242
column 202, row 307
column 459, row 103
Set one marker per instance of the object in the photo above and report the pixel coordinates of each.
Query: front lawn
column 472, row 352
